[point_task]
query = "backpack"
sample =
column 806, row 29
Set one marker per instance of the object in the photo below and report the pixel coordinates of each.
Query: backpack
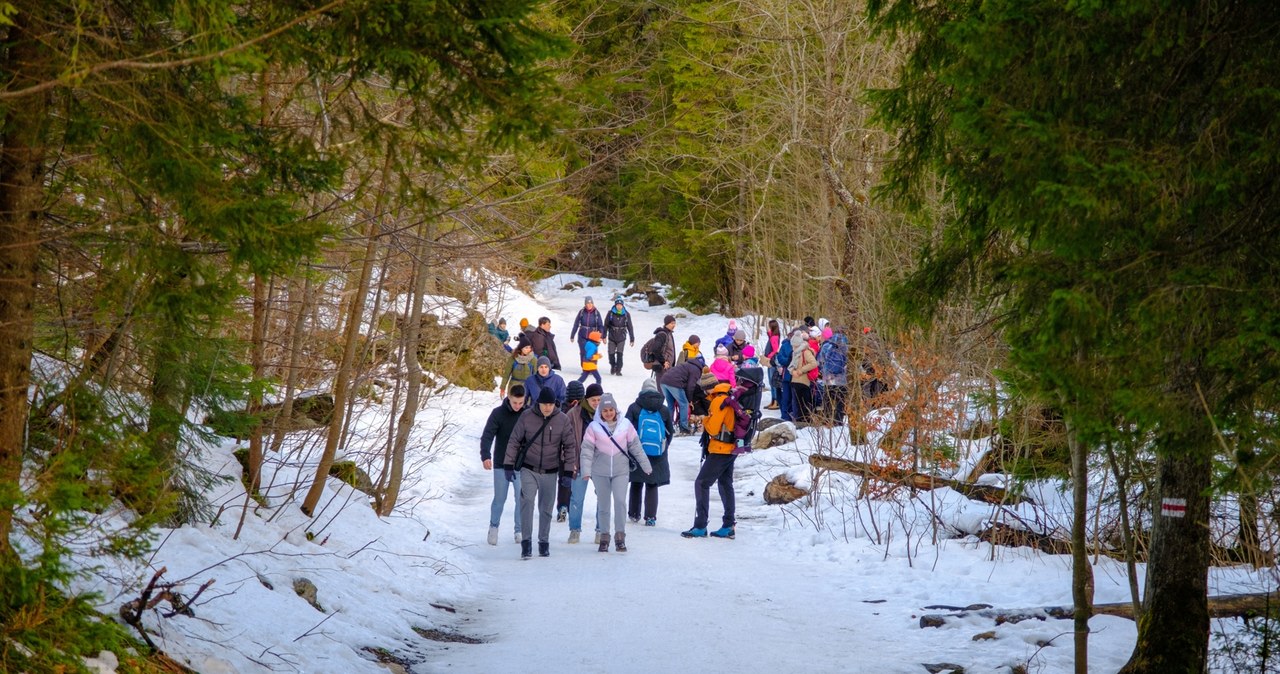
column 751, row 379
column 651, row 352
column 719, row 421
column 653, row 433
column 835, row 357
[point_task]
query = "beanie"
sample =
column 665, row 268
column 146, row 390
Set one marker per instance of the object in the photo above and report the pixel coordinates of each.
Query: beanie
column 748, row 351
column 607, row 401
column 573, row 390
column 694, row 339
column 740, row 335
column 524, row 323
column 668, row 319
column 543, row 360
column 546, row 395
column 588, row 300
column 721, row 350
column 733, row 325
column 594, row 390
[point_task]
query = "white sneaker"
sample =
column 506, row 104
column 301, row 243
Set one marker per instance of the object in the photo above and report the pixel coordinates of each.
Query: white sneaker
column 574, row 534
column 518, row 538
column 493, row 535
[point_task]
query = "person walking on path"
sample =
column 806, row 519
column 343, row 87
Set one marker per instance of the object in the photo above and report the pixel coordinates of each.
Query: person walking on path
column 523, row 364
column 582, row 417
column 617, row 325
column 609, row 447
column 544, row 343
column 544, row 378
column 541, row 446
column 572, row 407
column 652, row 421
column 586, row 322
column 497, row 432
column 591, row 356
column 662, row 347
column 718, row 443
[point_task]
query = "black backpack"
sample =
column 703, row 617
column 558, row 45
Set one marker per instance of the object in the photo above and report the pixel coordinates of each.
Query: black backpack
column 751, row 379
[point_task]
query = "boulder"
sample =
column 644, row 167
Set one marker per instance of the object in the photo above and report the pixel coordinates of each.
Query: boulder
column 655, row 300
column 595, row 283
column 572, row 285
column 639, row 289
column 307, row 590
column 782, row 490
column 775, row 434
column 465, row 354
column 354, row 475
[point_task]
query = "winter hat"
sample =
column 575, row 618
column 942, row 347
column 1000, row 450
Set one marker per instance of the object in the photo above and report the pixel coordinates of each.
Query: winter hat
column 808, row 321
column 708, row 380
column 594, row 390
column 814, row 332
column 668, row 319
column 694, row 339
column 649, row 385
column 733, row 325
column 740, row 335
column 588, row 300
column 721, row 350
column 617, row 300
column 607, row 401
column 524, row 323
column 573, row 390
column 543, row 360
column 748, row 351
column 546, row 395
column 594, row 336
column 502, row 322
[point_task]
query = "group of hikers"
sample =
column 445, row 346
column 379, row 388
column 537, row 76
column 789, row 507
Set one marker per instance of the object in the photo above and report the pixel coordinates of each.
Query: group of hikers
column 572, row 436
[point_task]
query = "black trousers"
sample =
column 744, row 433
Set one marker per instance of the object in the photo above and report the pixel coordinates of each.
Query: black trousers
column 716, row 469
column 650, row 495
column 803, row 396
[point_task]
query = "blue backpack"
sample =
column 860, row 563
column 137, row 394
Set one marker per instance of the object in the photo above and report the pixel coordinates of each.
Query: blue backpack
column 653, row 433
column 836, row 359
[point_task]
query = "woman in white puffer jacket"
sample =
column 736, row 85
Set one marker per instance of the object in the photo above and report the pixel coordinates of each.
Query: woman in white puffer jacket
column 608, row 442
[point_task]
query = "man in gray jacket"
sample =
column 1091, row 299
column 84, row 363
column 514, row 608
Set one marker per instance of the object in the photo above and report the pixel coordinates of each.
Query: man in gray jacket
column 542, row 444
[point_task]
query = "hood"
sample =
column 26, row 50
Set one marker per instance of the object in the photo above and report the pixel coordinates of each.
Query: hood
column 799, row 341
column 650, row 400
column 660, row 329
column 618, row 310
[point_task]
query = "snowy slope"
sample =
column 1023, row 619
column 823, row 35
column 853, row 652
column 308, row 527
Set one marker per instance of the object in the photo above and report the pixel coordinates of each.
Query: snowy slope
column 801, row 588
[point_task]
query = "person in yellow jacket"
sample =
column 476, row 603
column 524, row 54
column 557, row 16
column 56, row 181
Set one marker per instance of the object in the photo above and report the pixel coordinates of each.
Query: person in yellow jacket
column 717, row 465
column 591, row 354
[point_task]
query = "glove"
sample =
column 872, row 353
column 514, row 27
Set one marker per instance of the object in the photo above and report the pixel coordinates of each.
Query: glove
column 566, row 481
column 509, row 474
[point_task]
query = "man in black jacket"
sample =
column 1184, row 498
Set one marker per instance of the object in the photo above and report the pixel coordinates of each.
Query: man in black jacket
column 544, row 343
column 617, row 323
column 498, row 430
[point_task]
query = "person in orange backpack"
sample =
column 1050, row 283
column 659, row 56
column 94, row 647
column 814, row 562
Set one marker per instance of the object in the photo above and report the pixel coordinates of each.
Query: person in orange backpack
column 590, row 355
column 719, row 443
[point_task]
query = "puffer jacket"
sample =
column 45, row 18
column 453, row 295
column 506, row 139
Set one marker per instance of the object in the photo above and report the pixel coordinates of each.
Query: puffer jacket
column 600, row 454
column 534, row 385
column 683, row 376
column 802, row 360
column 724, row 370
column 556, row 447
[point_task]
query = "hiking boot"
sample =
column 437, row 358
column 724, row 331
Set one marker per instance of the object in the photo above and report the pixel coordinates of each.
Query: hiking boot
column 696, row 532
column 544, row 549
column 723, row 532
column 562, row 514
column 604, row 542
column 526, row 549
column 493, row 535
column 651, row 521
column 574, row 535
column 597, row 538
column 620, row 542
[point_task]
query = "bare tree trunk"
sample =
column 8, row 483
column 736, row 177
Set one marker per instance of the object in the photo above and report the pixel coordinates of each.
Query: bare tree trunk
column 341, row 382
column 259, row 339
column 1081, row 569
column 1126, row 529
column 22, row 155
column 414, row 375
column 294, row 340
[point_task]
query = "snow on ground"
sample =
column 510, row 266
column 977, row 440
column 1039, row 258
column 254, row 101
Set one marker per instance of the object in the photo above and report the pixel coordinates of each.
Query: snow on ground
column 801, row 588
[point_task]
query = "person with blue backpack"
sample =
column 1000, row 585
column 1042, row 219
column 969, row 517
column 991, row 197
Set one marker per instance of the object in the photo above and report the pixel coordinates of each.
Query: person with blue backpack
column 652, row 420
column 833, row 362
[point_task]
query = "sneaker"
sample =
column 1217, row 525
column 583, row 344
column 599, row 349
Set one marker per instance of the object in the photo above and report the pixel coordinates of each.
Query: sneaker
column 562, row 514
column 696, row 532
column 519, row 538
column 493, row 535
column 544, row 549
column 723, row 532
column 634, row 520
column 574, row 536
column 651, row 521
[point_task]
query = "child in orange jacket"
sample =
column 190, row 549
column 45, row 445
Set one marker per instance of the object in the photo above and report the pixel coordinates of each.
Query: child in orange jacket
column 591, row 354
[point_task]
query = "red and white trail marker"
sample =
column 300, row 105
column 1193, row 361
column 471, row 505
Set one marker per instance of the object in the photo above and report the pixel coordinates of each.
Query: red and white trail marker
column 1173, row 507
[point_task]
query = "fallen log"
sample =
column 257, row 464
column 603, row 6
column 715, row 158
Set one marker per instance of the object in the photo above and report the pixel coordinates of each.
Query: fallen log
column 902, row 476
column 1223, row 606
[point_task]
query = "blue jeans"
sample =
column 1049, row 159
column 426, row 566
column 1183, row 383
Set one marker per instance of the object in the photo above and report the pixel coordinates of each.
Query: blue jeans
column 678, row 400
column 578, row 496
column 500, row 486
column 787, row 402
